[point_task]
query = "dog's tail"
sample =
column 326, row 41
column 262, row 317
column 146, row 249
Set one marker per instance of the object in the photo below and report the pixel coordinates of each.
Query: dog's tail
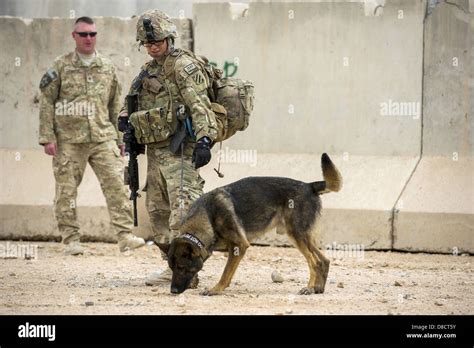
column 332, row 178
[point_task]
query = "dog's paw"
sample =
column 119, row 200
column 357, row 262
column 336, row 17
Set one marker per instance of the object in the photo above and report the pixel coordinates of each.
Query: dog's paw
column 194, row 282
column 310, row 291
column 306, row 291
column 210, row 292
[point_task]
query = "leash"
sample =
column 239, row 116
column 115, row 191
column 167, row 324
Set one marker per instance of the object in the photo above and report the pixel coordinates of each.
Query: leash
column 218, row 170
column 181, row 195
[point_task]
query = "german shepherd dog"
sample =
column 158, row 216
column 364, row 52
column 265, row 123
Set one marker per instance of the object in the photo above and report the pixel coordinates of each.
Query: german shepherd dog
column 228, row 218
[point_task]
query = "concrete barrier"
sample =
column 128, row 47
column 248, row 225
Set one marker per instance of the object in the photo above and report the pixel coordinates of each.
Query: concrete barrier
column 327, row 77
column 436, row 210
column 368, row 87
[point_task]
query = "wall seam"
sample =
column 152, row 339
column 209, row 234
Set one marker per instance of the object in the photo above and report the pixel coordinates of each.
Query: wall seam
column 395, row 211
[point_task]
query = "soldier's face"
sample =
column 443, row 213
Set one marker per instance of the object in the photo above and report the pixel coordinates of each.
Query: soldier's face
column 85, row 44
column 157, row 49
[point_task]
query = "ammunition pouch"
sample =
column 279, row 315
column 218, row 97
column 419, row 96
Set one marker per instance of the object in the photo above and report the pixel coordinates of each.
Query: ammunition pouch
column 154, row 125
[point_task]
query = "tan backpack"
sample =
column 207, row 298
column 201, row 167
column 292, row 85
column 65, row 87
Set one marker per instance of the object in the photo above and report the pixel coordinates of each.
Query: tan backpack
column 232, row 99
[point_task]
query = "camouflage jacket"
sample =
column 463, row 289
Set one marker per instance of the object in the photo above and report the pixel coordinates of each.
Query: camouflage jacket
column 79, row 103
column 168, row 87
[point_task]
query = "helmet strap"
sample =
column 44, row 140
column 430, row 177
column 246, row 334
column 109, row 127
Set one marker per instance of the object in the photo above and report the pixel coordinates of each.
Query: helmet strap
column 170, row 42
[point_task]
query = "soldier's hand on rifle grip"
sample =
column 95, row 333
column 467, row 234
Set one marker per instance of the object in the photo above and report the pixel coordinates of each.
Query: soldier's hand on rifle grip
column 122, row 123
column 202, row 152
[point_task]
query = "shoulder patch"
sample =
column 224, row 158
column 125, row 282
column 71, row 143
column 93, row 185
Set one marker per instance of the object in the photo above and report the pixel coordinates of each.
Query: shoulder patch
column 198, row 78
column 48, row 77
column 190, row 68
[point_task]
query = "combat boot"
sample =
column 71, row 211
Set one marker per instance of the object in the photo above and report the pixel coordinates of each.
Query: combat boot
column 128, row 241
column 74, row 248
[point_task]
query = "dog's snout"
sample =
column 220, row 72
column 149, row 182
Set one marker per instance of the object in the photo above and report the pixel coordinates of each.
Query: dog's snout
column 174, row 290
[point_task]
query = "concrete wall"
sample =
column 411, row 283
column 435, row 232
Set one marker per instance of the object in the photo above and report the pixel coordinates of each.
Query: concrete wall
column 366, row 84
column 325, row 75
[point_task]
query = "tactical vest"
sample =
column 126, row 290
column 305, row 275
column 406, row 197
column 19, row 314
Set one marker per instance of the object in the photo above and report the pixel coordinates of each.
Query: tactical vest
column 159, row 97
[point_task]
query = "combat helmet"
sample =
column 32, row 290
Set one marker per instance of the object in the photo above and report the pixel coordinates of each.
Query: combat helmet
column 155, row 25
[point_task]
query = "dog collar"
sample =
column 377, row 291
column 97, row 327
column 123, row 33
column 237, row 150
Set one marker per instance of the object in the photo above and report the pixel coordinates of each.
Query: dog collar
column 193, row 239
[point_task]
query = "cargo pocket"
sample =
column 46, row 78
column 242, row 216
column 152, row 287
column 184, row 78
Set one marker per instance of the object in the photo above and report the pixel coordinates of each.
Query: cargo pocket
column 116, row 150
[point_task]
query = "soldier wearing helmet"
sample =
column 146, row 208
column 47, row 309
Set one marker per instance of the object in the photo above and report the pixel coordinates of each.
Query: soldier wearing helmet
column 173, row 80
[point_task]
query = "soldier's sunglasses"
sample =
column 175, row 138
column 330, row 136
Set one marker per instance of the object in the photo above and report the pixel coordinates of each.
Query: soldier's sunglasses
column 154, row 43
column 85, row 33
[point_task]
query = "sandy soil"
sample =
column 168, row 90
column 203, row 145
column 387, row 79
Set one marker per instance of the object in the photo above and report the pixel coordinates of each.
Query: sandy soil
column 103, row 281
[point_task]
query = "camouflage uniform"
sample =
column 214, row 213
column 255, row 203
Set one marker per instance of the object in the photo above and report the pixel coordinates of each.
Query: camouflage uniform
column 157, row 89
column 78, row 109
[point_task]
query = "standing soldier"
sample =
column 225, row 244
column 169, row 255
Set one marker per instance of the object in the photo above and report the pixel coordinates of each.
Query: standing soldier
column 80, row 100
column 171, row 83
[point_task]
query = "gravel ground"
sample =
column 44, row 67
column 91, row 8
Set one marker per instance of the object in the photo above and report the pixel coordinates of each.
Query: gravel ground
column 104, row 281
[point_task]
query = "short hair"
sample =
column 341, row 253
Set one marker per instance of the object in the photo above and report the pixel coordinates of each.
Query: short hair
column 84, row 19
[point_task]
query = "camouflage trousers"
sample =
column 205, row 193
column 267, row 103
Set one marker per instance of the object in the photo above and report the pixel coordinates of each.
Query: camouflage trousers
column 165, row 202
column 69, row 165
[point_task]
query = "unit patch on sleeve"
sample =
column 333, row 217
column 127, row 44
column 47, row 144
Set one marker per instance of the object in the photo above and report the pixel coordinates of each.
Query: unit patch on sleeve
column 48, row 77
column 190, row 68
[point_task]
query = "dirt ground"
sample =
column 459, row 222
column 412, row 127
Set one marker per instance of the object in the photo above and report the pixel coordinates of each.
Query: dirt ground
column 104, row 281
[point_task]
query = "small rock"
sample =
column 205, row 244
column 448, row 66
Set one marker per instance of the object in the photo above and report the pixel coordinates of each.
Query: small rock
column 384, row 264
column 464, row 254
column 52, row 280
column 384, row 300
column 397, row 283
column 438, row 303
column 180, row 302
column 289, row 311
column 332, row 281
column 89, row 303
column 369, row 290
column 12, row 274
column 340, row 285
column 109, row 299
column 277, row 277
column 154, row 290
column 370, row 265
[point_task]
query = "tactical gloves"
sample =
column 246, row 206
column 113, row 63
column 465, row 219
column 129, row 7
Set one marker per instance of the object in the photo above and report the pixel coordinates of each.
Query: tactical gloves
column 129, row 136
column 202, row 152
column 122, row 123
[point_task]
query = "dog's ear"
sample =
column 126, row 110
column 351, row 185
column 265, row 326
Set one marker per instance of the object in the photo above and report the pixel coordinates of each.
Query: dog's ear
column 164, row 247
